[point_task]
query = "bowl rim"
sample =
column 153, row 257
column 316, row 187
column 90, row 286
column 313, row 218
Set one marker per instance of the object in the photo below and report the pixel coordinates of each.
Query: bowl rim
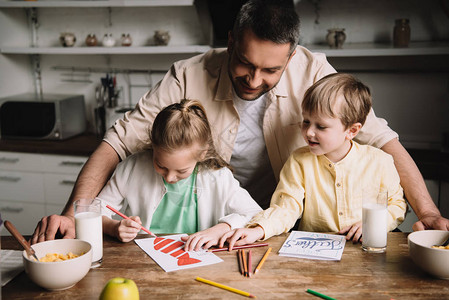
column 415, row 233
column 25, row 255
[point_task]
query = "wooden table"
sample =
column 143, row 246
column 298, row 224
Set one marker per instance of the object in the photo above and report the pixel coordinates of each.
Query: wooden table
column 358, row 275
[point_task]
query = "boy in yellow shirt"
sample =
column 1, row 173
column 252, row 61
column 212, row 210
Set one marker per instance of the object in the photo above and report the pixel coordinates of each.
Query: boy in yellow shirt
column 324, row 183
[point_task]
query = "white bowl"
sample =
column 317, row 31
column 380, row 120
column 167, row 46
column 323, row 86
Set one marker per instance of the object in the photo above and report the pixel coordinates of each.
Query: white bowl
column 59, row 275
column 432, row 260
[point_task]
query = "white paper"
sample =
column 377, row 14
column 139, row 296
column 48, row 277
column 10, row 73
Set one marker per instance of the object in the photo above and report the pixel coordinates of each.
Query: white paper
column 313, row 245
column 11, row 264
column 168, row 252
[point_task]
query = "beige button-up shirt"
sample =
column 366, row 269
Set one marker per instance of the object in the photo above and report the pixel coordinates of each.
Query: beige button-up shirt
column 205, row 78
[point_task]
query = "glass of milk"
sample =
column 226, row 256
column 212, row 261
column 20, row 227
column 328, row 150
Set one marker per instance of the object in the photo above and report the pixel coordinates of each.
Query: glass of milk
column 374, row 222
column 89, row 226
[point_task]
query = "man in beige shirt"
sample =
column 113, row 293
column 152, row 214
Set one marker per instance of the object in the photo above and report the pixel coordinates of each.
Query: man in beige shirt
column 262, row 65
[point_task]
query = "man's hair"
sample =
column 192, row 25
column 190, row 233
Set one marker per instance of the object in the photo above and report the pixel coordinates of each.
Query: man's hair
column 181, row 125
column 272, row 20
column 352, row 107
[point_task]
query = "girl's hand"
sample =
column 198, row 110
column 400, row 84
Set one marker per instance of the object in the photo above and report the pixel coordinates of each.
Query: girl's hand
column 353, row 232
column 206, row 238
column 127, row 229
column 242, row 236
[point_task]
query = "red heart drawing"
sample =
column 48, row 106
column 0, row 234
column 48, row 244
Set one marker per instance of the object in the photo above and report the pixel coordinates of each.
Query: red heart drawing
column 185, row 259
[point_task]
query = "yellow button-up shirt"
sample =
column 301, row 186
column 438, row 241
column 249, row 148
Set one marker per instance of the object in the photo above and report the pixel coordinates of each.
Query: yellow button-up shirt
column 328, row 196
column 205, row 78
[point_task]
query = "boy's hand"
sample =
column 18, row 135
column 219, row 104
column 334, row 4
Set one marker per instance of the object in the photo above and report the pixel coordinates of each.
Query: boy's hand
column 242, row 236
column 353, row 232
column 206, row 238
column 127, row 229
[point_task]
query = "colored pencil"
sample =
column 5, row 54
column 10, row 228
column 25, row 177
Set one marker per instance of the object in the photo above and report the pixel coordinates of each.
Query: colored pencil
column 245, row 266
column 239, row 247
column 320, row 295
column 225, row 287
column 262, row 260
column 250, row 263
column 125, row 217
column 240, row 261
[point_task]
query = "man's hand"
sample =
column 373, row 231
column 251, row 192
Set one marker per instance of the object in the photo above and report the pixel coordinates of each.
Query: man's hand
column 431, row 222
column 48, row 227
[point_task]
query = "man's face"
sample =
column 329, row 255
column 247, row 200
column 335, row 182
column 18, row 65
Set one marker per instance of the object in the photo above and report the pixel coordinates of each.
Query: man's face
column 255, row 65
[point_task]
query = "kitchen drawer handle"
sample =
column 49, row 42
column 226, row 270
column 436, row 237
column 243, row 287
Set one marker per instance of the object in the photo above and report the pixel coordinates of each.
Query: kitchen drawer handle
column 72, row 163
column 9, row 178
column 68, row 182
column 11, row 209
column 9, row 160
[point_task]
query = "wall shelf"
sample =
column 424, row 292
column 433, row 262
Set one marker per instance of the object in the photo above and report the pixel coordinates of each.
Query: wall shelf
column 96, row 3
column 107, row 50
column 349, row 50
column 377, row 49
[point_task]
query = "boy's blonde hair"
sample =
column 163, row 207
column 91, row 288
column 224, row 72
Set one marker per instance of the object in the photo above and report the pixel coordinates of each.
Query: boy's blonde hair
column 323, row 97
column 182, row 125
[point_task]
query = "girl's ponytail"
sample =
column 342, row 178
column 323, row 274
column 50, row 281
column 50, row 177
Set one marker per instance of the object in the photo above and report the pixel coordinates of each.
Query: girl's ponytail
column 182, row 125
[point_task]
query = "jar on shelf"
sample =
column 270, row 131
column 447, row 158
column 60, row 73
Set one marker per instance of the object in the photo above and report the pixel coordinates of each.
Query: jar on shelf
column 108, row 40
column 401, row 33
column 91, row 40
column 336, row 37
column 126, row 40
column 161, row 37
column 67, row 39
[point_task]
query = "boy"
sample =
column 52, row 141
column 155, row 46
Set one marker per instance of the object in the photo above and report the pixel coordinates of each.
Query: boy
column 324, row 182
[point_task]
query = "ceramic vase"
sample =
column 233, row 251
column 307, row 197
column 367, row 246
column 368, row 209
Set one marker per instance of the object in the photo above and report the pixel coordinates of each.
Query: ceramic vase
column 161, row 37
column 91, row 40
column 336, row 37
column 126, row 40
column 108, row 40
column 67, row 39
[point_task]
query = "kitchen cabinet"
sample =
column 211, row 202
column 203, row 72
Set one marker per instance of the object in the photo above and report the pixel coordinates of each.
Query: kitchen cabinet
column 35, row 185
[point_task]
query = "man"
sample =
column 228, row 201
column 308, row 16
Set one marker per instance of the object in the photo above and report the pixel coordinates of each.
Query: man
column 252, row 94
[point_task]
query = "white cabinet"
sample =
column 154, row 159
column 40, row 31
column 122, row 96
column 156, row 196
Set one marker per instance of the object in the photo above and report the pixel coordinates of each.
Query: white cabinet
column 23, row 215
column 21, row 186
column 35, row 185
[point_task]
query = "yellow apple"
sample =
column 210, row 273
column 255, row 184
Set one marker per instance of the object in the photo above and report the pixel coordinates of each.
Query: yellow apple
column 120, row 289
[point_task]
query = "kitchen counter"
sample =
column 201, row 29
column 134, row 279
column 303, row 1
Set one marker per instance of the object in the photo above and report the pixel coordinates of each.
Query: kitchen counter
column 81, row 145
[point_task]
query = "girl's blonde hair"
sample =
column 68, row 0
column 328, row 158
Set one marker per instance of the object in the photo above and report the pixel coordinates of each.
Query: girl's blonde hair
column 322, row 97
column 182, row 125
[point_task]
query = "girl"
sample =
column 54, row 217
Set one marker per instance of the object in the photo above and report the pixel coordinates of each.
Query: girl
column 179, row 185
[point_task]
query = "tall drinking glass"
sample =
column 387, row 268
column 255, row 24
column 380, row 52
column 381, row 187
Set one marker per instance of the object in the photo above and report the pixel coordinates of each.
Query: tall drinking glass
column 374, row 222
column 89, row 227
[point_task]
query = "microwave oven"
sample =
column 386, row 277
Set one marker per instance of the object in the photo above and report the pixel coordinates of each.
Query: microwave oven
column 54, row 117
